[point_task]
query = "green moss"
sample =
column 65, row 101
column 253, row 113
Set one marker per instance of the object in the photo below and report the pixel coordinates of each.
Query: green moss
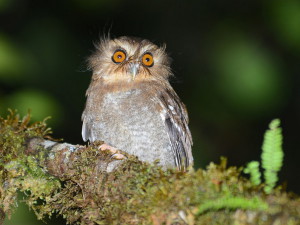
column 18, row 170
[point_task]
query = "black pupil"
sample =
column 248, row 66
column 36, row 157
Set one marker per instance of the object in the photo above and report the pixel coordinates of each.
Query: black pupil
column 119, row 56
column 147, row 59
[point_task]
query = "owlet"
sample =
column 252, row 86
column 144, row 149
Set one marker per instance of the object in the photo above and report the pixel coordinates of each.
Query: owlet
column 132, row 106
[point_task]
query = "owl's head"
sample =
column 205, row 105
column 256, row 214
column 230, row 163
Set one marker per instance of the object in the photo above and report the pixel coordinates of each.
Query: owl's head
column 129, row 59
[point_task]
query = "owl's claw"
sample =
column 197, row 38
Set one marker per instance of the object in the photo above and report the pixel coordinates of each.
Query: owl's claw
column 118, row 156
column 106, row 147
column 114, row 151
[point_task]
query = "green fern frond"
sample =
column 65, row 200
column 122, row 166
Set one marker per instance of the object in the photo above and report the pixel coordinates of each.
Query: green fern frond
column 232, row 203
column 253, row 169
column 272, row 154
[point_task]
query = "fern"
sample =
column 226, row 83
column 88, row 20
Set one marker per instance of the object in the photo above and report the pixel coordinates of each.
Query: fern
column 271, row 157
column 232, row 203
column 272, row 154
column 253, row 169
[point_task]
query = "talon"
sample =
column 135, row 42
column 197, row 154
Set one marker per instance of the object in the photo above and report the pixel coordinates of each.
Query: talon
column 118, row 156
column 106, row 147
column 113, row 151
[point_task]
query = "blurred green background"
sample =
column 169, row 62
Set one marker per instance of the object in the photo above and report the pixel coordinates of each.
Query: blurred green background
column 236, row 65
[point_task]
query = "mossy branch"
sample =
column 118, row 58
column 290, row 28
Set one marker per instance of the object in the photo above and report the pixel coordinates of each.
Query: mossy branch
column 86, row 186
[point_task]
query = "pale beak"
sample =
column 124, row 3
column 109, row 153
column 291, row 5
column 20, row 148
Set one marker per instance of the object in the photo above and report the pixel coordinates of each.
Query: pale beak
column 134, row 69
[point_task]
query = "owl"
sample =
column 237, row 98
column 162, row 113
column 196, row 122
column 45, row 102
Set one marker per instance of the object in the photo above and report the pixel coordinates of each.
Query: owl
column 132, row 106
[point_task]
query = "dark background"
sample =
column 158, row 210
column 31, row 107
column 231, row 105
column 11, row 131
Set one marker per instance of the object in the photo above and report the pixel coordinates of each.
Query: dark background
column 236, row 64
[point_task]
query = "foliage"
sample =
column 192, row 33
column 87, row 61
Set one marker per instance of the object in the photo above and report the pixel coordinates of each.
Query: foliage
column 272, row 158
column 253, row 169
column 233, row 202
column 272, row 155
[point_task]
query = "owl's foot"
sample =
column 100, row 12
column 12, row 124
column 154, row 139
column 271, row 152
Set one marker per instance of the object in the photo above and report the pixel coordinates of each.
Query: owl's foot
column 116, row 154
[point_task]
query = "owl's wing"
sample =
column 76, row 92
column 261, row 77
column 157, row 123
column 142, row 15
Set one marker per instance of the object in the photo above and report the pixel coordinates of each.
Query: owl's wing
column 175, row 117
column 86, row 131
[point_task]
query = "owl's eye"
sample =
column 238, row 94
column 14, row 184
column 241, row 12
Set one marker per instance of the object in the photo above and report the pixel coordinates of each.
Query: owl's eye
column 119, row 56
column 147, row 59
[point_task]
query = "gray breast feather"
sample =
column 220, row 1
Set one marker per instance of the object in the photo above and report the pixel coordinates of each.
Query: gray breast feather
column 135, row 125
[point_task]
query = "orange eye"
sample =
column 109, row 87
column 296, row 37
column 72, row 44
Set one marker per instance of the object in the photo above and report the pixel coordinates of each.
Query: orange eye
column 119, row 56
column 147, row 59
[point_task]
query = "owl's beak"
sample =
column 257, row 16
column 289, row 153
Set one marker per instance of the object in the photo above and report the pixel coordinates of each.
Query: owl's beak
column 134, row 69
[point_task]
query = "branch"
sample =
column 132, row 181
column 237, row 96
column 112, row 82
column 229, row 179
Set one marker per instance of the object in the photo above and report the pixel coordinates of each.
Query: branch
column 60, row 159
column 87, row 186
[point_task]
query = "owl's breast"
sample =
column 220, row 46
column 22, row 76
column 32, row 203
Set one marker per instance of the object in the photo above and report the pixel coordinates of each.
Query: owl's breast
column 130, row 121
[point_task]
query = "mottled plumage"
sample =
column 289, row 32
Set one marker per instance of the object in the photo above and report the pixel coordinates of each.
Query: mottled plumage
column 131, row 105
